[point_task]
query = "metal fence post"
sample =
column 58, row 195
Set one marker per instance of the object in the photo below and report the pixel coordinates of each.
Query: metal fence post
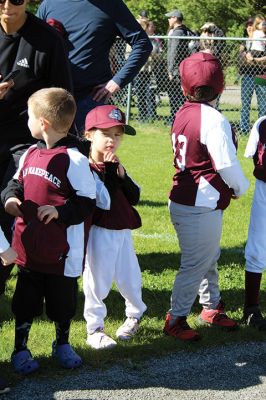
column 129, row 94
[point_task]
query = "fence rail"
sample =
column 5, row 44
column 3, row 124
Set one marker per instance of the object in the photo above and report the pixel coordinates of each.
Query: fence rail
column 155, row 94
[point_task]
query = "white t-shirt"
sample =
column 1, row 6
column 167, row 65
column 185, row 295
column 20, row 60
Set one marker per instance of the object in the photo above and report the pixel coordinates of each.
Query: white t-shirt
column 258, row 45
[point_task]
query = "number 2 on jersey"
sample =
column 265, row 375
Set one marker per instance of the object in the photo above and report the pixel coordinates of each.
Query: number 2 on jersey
column 180, row 149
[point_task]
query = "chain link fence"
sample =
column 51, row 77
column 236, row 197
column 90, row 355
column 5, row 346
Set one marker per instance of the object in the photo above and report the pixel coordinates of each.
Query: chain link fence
column 155, row 94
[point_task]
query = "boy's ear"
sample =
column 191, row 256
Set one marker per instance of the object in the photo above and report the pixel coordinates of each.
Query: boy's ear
column 88, row 135
column 44, row 124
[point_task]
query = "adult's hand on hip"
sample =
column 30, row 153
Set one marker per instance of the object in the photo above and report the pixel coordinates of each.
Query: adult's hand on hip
column 105, row 90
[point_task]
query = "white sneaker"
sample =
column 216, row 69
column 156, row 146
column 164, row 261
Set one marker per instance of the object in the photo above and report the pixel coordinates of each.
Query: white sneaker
column 128, row 329
column 99, row 340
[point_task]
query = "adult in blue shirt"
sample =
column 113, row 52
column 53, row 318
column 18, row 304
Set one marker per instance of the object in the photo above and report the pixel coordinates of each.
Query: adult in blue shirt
column 92, row 27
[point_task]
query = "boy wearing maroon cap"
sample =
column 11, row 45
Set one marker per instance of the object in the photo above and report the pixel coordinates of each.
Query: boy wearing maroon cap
column 52, row 194
column 111, row 256
column 208, row 175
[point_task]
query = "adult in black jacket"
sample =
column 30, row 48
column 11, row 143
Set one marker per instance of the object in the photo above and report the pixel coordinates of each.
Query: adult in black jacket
column 177, row 50
column 35, row 49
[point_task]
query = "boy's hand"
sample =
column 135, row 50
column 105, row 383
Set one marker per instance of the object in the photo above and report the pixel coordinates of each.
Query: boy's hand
column 12, row 207
column 8, row 257
column 234, row 197
column 47, row 213
column 111, row 157
column 4, row 88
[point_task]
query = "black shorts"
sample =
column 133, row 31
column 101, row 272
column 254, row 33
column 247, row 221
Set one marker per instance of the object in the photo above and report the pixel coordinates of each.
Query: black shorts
column 33, row 288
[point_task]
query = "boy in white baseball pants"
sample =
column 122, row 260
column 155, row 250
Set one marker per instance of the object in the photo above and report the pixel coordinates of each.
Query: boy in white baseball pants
column 111, row 256
column 255, row 252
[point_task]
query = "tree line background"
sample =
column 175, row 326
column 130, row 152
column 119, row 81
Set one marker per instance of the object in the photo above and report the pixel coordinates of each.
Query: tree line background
column 227, row 14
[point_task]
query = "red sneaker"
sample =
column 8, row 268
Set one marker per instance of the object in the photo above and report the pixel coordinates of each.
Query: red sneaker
column 180, row 329
column 217, row 317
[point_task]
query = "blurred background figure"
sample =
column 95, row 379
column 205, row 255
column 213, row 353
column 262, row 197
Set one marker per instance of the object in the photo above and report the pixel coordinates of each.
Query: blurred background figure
column 157, row 65
column 144, row 85
column 177, row 50
column 252, row 62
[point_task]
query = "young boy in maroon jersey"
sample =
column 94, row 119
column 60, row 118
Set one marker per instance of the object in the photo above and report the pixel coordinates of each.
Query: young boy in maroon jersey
column 51, row 194
column 208, row 175
column 111, row 256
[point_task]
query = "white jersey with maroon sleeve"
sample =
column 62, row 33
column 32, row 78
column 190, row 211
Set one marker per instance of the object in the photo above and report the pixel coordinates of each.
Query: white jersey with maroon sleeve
column 52, row 176
column 205, row 151
column 256, row 148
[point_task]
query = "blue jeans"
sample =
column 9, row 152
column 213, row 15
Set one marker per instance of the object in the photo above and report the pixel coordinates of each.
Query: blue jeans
column 85, row 105
column 248, row 87
column 145, row 96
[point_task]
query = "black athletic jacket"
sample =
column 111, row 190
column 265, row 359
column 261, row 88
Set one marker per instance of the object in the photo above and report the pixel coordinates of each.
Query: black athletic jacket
column 38, row 51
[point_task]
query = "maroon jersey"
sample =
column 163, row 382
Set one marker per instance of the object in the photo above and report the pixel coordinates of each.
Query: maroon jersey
column 256, row 148
column 203, row 143
column 58, row 177
column 124, row 193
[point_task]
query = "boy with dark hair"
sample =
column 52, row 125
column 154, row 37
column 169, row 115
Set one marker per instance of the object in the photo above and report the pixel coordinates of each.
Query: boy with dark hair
column 51, row 194
column 208, row 175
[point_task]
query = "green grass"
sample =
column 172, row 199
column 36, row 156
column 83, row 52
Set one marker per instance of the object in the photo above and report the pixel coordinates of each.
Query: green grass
column 148, row 158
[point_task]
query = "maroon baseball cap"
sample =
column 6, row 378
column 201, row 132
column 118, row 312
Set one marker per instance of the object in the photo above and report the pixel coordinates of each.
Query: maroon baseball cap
column 107, row 116
column 201, row 69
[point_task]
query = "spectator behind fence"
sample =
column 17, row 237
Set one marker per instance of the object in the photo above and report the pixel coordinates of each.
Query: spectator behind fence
column 143, row 85
column 215, row 47
column 37, row 51
column 251, row 63
column 178, row 49
column 258, row 33
column 157, row 64
column 92, row 28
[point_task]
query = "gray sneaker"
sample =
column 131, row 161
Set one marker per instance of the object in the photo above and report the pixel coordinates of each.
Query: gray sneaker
column 128, row 329
column 99, row 340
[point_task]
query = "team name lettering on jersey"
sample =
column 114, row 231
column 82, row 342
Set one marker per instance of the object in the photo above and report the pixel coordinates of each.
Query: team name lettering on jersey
column 42, row 173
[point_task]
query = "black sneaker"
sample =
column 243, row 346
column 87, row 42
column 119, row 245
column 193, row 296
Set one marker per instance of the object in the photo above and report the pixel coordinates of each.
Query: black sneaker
column 253, row 317
column 4, row 388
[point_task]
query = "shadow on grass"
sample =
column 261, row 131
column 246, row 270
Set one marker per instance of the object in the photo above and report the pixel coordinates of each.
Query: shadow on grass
column 150, row 203
column 193, row 366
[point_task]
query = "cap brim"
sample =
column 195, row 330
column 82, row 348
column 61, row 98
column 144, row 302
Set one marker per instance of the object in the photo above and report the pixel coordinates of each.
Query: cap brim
column 129, row 130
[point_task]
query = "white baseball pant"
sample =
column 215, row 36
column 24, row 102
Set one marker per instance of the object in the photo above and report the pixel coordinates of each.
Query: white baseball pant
column 255, row 251
column 110, row 257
